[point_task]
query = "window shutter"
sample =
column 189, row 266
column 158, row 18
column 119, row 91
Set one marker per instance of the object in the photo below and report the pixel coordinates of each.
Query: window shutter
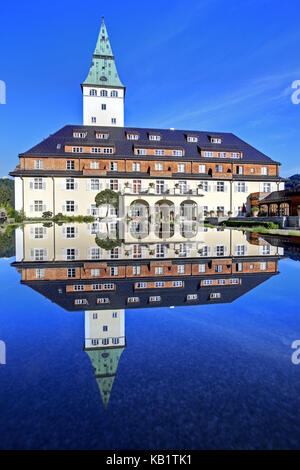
column 246, row 188
column 31, row 232
column 31, row 184
column 32, row 255
column 63, row 184
column 208, row 250
column 76, row 207
column 76, row 185
column 64, row 232
column 45, row 232
column 76, row 232
column 225, row 187
column 88, row 185
column 88, row 253
column 64, row 253
column 88, row 211
column 45, row 253
column 209, row 187
column 43, row 184
column 44, row 207
column 31, row 207
column 63, row 208
column 76, row 253
column 225, row 250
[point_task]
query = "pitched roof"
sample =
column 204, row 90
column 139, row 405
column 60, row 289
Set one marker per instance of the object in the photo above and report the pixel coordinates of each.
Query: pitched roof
column 103, row 69
column 54, row 144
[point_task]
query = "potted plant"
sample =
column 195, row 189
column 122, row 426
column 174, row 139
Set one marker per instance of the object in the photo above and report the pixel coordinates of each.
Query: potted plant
column 255, row 211
column 229, row 213
column 151, row 188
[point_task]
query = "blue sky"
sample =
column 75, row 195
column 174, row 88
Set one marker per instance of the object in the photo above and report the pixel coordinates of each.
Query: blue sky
column 210, row 65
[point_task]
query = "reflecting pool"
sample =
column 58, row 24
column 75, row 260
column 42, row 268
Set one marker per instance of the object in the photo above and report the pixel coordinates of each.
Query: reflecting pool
column 180, row 340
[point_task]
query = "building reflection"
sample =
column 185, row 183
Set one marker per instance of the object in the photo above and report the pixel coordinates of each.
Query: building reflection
column 76, row 267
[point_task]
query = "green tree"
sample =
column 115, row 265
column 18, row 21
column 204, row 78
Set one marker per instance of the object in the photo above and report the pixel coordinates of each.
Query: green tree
column 107, row 197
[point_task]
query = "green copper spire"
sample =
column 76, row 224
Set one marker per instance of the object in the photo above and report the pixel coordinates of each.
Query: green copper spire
column 105, row 363
column 103, row 69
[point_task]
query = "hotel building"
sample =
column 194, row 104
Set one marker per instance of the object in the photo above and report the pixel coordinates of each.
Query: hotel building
column 207, row 171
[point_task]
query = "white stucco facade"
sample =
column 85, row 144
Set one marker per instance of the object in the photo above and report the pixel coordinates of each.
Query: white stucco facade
column 103, row 106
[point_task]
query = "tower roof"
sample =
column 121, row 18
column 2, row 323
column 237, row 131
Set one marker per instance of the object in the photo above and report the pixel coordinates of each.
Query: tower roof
column 103, row 69
column 105, row 363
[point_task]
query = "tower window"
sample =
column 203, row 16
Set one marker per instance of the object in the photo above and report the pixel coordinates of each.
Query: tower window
column 103, row 106
column 93, row 92
column 93, row 119
column 103, row 93
column 114, row 94
column 113, row 121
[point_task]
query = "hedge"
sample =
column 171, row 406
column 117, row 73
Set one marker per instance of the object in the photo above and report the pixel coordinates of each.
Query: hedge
column 250, row 223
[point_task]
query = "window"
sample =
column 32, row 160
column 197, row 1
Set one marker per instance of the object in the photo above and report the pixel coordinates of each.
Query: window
column 155, row 298
column 70, row 206
column 95, row 272
column 38, row 183
column 177, row 153
column 94, row 165
column 39, row 254
column 241, row 187
column 239, row 170
column 204, row 251
column 207, row 282
column 220, row 250
column 79, row 135
column 192, row 297
column 154, row 137
column 96, row 286
column 136, row 166
column 95, row 316
column 234, row 281
column 191, row 138
column 113, row 121
column 235, row 155
column 40, row 273
column 105, row 341
column 221, row 282
column 95, row 184
column 218, row 268
column 177, row 283
column 93, row 119
column 215, row 140
column 115, row 340
column 222, row 154
column 160, row 284
column 160, row 186
column 159, row 270
column 201, row 268
column 95, row 342
column 239, row 267
column 114, row 185
column 205, row 186
column 115, row 314
column 141, row 152
column 202, row 169
column 70, row 164
column 181, row 168
column 215, row 295
column 93, row 92
column 77, row 149
column 208, row 154
column 132, row 136
column 70, row 254
column 71, row 272
column 81, row 302
column 77, row 287
column 159, row 166
column 114, row 271
column 113, row 166
column 265, row 250
column 136, row 186
column 114, row 94
column 136, row 270
column 70, row 232
column 264, row 170
column 219, row 168
column 103, row 300
column 103, row 93
column 39, row 232
column 141, row 285
column 108, row 286
column 240, row 250
column 159, row 152
column 131, row 300
column 38, row 206
column 101, row 136
column 267, row 187
column 220, row 187
column 38, row 164
column 252, row 170
column 70, row 183
column 181, row 269
column 103, row 107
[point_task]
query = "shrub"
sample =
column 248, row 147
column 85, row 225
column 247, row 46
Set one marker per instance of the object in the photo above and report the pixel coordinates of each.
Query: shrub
column 47, row 215
column 251, row 223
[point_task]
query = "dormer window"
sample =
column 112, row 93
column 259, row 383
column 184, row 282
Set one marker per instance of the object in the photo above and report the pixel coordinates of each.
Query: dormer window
column 101, row 136
column 235, row 155
column 79, row 135
column 132, row 136
column 159, row 152
column 177, row 153
column 154, row 137
column 77, row 149
column 216, row 140
column 208, row 154
column 141, row 152
column 192, row 138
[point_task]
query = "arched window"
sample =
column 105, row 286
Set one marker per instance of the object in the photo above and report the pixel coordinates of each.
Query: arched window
column 114, row 94
column 103, row 93
column 93, row 92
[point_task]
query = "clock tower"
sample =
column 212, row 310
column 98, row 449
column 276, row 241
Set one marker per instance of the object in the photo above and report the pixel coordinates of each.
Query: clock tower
column 103, row 92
